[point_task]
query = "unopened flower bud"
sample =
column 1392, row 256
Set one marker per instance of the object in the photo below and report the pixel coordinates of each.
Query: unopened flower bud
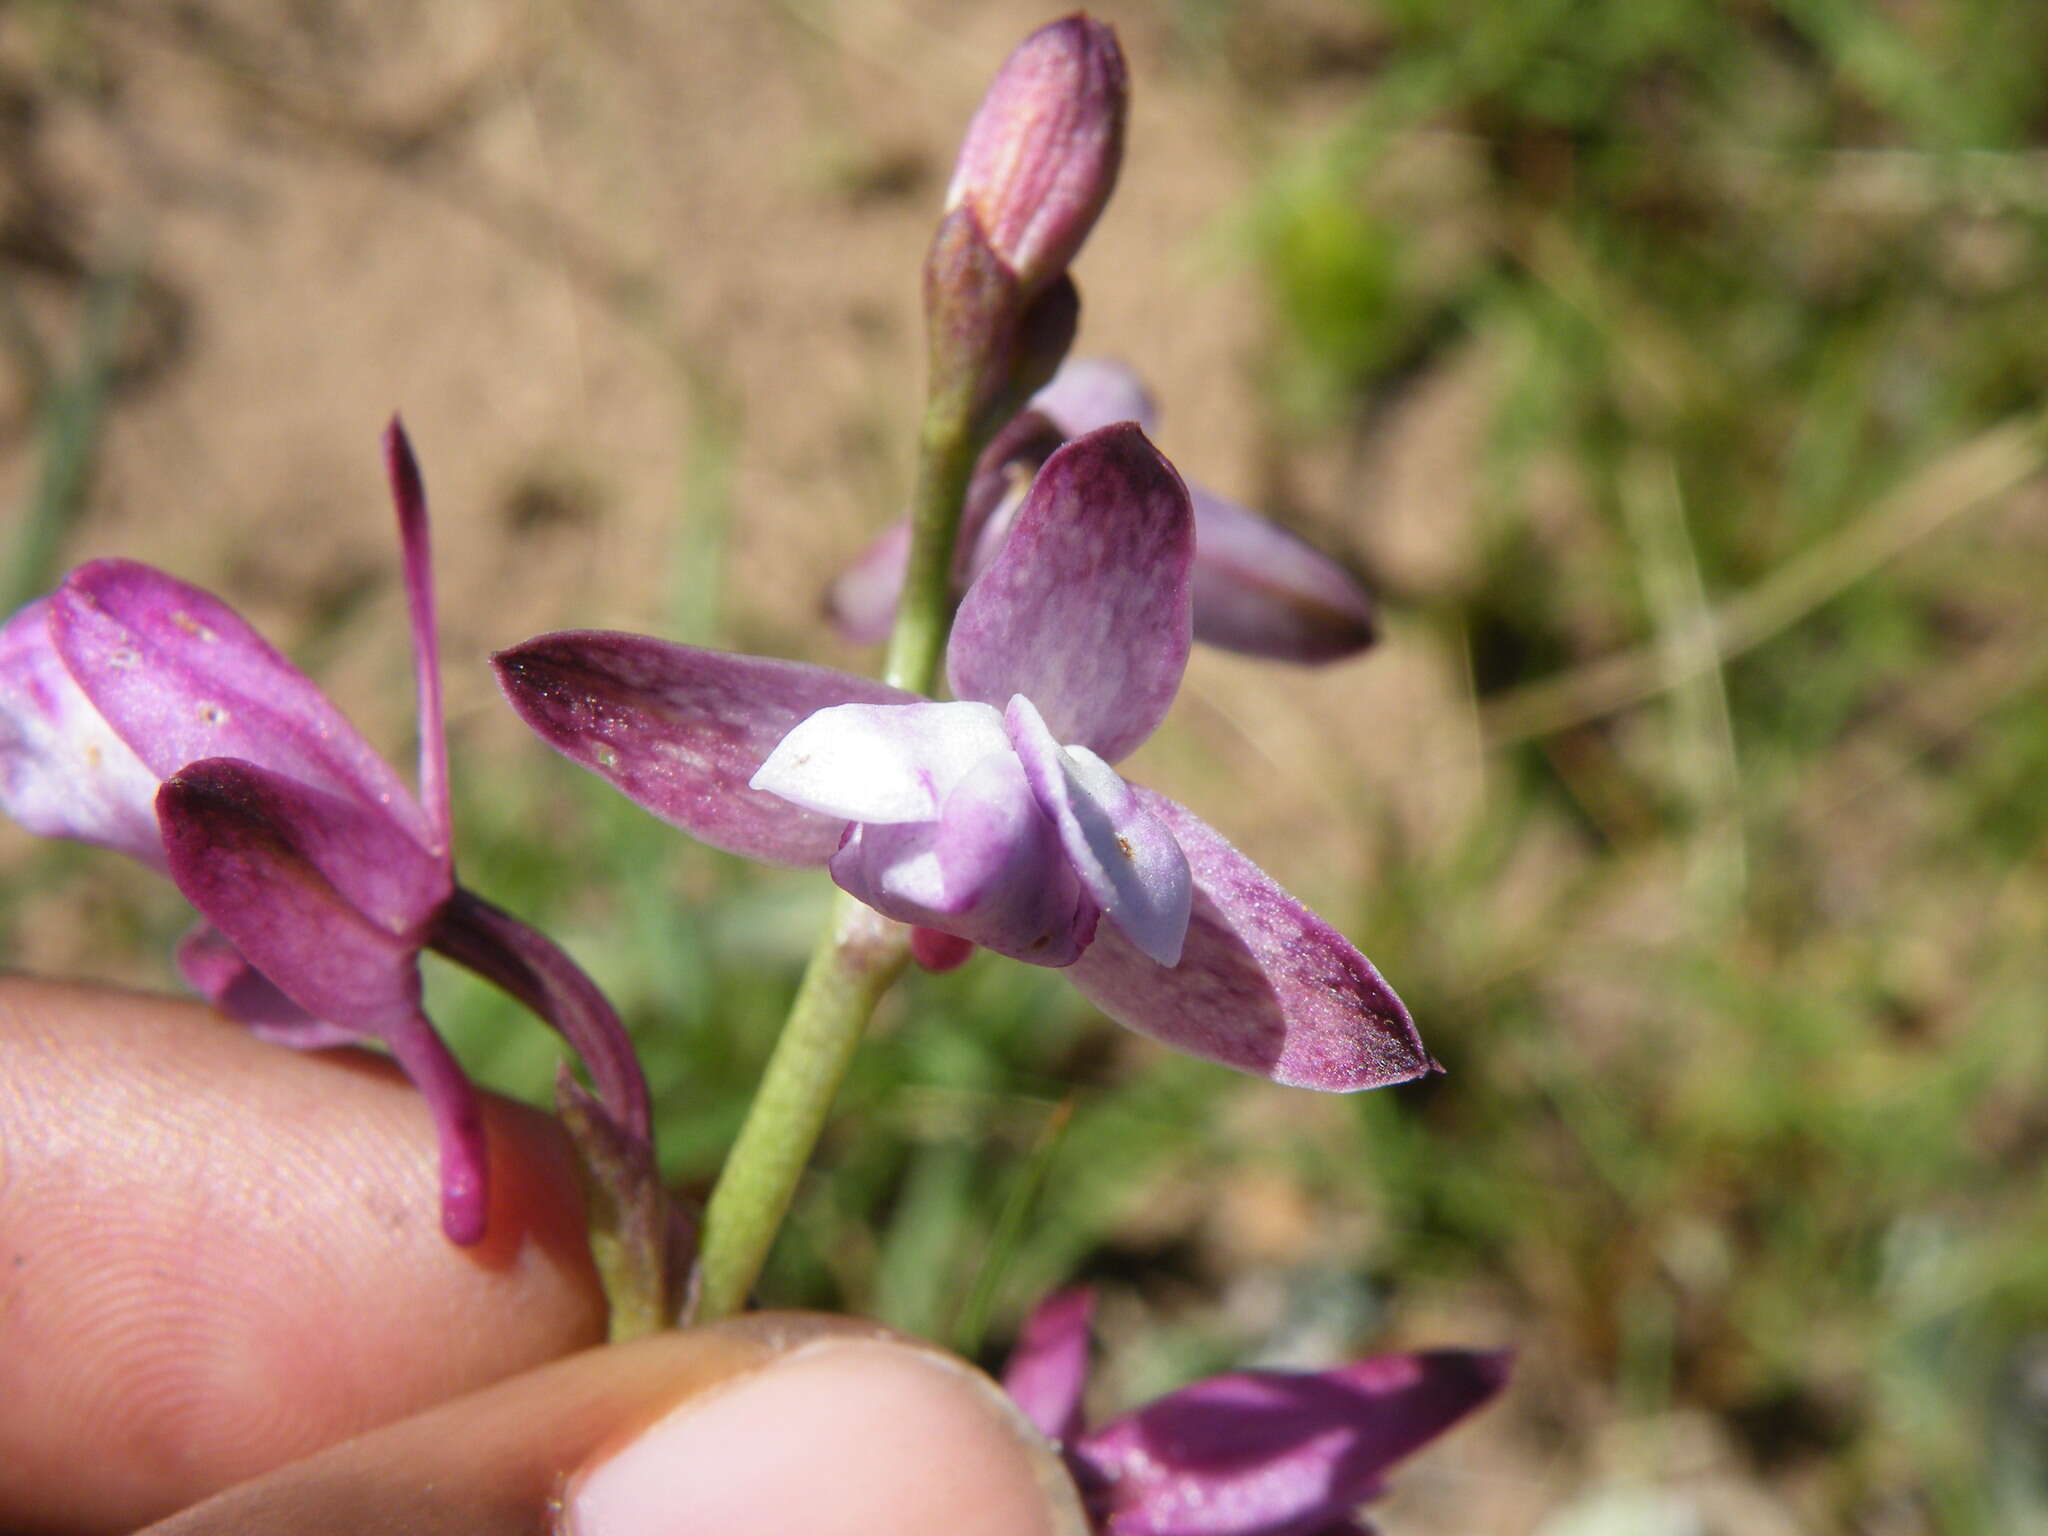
column 1041, row 156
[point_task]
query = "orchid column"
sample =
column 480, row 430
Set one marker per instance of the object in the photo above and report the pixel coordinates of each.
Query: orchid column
column 1038, row 163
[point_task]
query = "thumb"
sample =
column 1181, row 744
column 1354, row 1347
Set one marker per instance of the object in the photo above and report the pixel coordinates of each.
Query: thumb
column 771, row 1423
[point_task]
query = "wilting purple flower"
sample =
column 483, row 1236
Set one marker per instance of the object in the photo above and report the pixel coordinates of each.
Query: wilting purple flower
column 1042, row 154
column 1258, row 589
column 1253, row 1453
column 141, row 713
column 998, row 820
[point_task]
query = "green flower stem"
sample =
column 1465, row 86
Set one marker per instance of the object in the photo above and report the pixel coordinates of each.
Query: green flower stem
column 860, row 953
column 947, row 446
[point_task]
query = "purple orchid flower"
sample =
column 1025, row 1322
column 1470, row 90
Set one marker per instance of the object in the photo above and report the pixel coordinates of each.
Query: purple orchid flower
column 1253, row 1453
column 997, row 819
column 142, row 714
column 1258, row 589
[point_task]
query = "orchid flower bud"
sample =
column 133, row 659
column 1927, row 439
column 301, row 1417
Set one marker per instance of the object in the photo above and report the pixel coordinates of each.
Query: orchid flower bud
column 1041, row 156
column 1038, row 163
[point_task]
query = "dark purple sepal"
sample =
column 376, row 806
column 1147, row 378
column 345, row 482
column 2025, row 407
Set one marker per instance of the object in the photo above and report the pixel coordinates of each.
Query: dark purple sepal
column 416, row 550
column 326, row 899
column 1263, row 984
column 1085, row 611
column 1048, row 1369
column 1260, row 591
column 180, row 677
column 530, row 967
column 1271, row 1453
column 681, row 731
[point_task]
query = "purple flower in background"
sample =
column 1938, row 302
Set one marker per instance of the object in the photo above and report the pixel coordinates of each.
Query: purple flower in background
column 997, row 820
column 1258, row 589
column 142, row 714
column 1253, row 1453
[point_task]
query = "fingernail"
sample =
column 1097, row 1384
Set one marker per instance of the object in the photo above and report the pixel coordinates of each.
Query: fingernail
column 840, row 1438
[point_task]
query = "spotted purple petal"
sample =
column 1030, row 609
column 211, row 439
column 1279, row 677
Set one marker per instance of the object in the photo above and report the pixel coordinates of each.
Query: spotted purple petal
column 1086, row 609
column 681, row 731
column 180, row 677
column 1270, row 1453
column 1124, row 854
column 1263, row 984
column 63, row 771
column 1048, row 1369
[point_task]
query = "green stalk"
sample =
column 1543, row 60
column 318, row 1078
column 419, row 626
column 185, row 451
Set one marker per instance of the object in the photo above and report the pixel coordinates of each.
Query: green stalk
column 857, row 957
column 947, row 446
column 860, row 953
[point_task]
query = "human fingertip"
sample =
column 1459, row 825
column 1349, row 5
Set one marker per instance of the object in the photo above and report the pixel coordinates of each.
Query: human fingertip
column 841, row 1437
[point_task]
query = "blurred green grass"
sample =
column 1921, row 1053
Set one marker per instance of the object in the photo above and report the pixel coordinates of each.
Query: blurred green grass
column 1747, row 1102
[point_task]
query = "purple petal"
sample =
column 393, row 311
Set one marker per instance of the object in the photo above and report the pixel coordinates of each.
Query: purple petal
column 528, row 965
column 180, row 677
column 1091, row 392
column 1261, row 591
column 1263, row 984
column 218, row 972
column 1126, row 857
column 1049, row 1367
column 1269, row 1453
column 881, row 762
column 681, row 731
column 63, row 771
column 326, row 899
column 990, row 870
column 409, row 497
column 1086, row 610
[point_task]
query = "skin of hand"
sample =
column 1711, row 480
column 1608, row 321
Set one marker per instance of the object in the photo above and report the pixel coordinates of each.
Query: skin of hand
column 226, row 1305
